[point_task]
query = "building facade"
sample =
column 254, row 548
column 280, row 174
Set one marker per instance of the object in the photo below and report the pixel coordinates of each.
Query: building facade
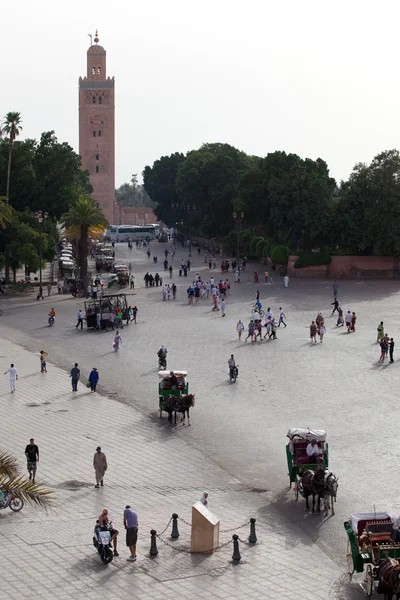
column 136, row 215
column 97, row 129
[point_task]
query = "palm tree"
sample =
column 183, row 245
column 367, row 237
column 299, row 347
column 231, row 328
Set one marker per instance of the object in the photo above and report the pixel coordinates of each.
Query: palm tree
column 11, row 481
column 5, row 212
column 82, row 221
column 12, row 127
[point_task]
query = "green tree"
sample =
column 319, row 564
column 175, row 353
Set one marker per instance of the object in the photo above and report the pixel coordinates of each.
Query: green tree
column 367, row 214
column 11, row 481
column 82, row 221
column 11, row 127
column 260, row 247
column 133, row 194
column 253, row 245
column 160, row 184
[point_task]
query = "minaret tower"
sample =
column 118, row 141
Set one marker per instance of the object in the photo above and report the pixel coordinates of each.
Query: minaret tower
column 96, row 128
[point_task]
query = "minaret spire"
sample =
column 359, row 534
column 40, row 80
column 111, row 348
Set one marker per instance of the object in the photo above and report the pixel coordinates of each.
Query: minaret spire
column 96, row 37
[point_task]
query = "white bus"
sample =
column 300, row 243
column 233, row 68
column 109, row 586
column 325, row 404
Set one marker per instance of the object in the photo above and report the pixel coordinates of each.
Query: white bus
column 132, row 233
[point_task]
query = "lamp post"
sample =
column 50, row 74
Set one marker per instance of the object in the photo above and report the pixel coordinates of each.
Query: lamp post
column 238, row 218
column 40, row 216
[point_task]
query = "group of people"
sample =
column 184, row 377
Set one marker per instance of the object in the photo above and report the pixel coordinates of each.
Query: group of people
column 255, row 326
column 169, row 290
column 150, row 280
column 386, row 344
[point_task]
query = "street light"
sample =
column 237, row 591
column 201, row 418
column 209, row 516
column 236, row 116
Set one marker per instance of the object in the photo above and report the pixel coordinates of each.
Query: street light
column 238, row 218
column 40, row 216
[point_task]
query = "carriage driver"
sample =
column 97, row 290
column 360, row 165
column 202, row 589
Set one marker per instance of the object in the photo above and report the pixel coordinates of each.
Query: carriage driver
column 173, row 380
column 312, row 451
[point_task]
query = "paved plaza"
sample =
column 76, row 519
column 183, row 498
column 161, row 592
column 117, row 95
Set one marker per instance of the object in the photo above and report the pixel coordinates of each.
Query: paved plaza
column 235, row 447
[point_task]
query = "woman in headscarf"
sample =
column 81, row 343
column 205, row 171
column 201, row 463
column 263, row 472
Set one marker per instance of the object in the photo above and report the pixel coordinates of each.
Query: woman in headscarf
column 204, row 499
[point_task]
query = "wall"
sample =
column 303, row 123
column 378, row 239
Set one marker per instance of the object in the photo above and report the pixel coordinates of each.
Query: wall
column 136, row 215
column 380, row 267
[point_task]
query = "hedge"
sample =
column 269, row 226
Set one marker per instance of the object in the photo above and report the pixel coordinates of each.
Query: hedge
column 279, row 255
column 309, row 259
column 260, row 247
column 253, row 244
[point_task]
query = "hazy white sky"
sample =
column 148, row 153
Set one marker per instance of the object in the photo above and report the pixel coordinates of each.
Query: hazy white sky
column 313, row 77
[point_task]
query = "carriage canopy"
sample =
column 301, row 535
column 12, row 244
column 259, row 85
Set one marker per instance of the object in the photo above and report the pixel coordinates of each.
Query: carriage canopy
column 177, row 372
column 307, row 434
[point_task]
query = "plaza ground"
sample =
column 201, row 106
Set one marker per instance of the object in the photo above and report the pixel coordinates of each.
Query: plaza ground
column 235, row 447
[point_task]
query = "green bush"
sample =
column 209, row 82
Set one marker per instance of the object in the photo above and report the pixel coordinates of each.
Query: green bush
column 253, row 245
column 279, row 255
column 260, row 247
column 266, row 249
column 309, row 259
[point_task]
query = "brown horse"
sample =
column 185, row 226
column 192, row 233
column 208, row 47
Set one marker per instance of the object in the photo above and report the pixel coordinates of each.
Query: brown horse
column 179, row 404
column 313, row 484
column 389, row 579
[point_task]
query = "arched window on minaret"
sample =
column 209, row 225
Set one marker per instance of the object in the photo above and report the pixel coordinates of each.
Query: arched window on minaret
column 93, row 70
column 100, row 99
column 97, row 168
column 97, row 157
column 98, row 70
column 93, row 99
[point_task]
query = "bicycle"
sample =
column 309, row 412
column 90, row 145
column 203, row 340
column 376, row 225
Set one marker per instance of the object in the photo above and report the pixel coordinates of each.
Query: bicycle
column 260, row 311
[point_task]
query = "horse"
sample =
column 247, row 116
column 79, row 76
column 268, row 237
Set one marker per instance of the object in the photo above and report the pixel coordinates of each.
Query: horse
column 389, row 579
column 330, row 489
column 313, row 483
column 179, row 404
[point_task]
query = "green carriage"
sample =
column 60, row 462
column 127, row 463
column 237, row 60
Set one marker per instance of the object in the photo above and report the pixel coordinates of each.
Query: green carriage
column 296, row 453
column 370, row 542
column 166, row 388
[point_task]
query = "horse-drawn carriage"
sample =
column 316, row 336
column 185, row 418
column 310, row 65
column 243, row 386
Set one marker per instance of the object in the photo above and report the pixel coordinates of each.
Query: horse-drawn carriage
column 370, row 544
column 310, row 475
column 173, row 394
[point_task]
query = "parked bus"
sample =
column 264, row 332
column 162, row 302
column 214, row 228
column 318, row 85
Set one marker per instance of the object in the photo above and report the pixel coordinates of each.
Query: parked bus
column 132, row 233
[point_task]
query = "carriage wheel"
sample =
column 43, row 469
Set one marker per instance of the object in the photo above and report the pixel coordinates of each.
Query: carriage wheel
column 369, row 580
column 296, row 490
column 349, row 558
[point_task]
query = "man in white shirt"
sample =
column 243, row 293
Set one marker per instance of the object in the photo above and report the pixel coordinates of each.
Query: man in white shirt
column 286, row 280
column 312, row 451
column 268, row 314
column 12, row 371
column 282, row 316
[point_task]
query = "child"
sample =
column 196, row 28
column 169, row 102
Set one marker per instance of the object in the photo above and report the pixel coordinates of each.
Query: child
column 43, row 366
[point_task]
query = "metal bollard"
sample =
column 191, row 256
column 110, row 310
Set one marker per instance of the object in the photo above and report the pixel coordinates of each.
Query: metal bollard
column 174, row 532
column 252, row 536
column 153, row 544
column 236, row 554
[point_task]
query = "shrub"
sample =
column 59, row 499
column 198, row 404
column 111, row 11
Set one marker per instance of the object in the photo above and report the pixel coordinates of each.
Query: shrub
column 260, row 247
column 309, row 259
column 279, row 255
column 266, row 248
column 253, row 245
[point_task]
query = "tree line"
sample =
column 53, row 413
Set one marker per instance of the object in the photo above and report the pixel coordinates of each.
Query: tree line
column 286, row 200
column 41, row 176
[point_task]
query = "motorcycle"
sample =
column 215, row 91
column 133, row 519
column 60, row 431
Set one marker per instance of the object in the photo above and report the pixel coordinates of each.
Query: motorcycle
column 11, row 501
column 165, row 265
column 162, row 363
column 102, row 542
column 51, row 320
column 233, row 373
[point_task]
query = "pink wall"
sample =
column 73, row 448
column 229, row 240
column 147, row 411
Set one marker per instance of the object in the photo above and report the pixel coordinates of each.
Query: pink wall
column 349, row 266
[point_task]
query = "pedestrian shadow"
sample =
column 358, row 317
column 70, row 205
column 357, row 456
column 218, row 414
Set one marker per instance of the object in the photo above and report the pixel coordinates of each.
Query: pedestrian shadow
column 380, row 365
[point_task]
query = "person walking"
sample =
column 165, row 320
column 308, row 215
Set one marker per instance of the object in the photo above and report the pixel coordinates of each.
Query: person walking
column 335, row 305
column 117, row 341
column 93, row 379
column 75, row 376
column 250, row 331
column 313, row 332
column 282, row 316
column 12, row 371
column 348, row 320
column 352, row 323
column 239, row 329
column 223, row 306
column 286, row 280
column 32, row 458
column 59, row 287
column 100, row 466
column 391, row 349
column 131, row 281
column 49, row 289
column 335, row 288
column 134, row 313
column 43, row 365
column 80, row 319
column 131, row 527
column 340, row 320
column 322, row 331
column 381, row 332
column 266, row 275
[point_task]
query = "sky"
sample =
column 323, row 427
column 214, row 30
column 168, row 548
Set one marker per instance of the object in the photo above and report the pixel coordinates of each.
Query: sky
column 316, row 78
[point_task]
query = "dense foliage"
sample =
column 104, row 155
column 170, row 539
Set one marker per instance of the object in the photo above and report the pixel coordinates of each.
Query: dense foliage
column 286, row 200
column 133, row 194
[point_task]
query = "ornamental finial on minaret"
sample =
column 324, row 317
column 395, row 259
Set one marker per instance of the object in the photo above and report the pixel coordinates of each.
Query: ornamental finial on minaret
column 96, row 37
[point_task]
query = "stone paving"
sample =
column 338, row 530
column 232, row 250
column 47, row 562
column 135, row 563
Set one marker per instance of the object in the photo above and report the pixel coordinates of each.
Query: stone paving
column 47, row 556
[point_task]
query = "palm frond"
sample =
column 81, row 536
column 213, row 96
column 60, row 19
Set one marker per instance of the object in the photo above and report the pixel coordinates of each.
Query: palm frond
column 8, row 465
column 31, row 493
